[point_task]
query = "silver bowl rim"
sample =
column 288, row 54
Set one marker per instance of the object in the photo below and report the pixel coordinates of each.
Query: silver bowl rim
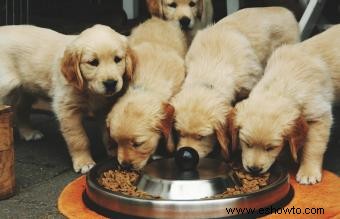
column 91, row 181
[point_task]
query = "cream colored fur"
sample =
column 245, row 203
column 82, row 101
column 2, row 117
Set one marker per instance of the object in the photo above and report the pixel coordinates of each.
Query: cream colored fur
column 200, row 14
column 292, row 104
column 143, row 115
column 38, row 62
column 224, row 63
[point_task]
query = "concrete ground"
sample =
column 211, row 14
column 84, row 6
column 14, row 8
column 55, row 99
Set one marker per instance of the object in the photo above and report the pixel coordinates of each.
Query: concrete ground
column 43, row 168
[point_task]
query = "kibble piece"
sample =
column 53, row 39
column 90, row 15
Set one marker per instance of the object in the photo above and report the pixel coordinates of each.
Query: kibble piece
column 241, row 175
column 249, row 177
column 230, row 189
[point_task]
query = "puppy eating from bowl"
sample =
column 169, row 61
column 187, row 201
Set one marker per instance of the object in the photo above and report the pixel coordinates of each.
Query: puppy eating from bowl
column 143, row 116
column 224, row 62
column 291, row 105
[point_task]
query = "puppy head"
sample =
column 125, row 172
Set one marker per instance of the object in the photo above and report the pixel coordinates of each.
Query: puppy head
column 136, row 124
column 263, row 131
column 98, row 60
column 184, row 11
column 200, row 120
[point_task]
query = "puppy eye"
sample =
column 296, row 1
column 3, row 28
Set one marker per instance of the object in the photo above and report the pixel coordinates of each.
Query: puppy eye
column 137, row 144
column 192, row 4
column 268, row 149
column 173, row 5
column 199, row 137
column 117, row 59
column 248, row 145
column 94, row 62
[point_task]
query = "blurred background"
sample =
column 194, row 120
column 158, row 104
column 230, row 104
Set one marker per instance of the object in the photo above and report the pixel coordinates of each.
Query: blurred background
column 72, row 16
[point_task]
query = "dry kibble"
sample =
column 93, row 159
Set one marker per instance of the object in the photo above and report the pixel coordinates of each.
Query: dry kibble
column 249, row 177
column 241, row 175
column 230, row 189
column 123, row 181
column 249, row 184
column 263, row 182
column 237, row 192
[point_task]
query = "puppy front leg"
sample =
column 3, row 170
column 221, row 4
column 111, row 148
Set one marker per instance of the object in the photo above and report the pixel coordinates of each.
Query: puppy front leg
column 77, row 141
column 310, row 171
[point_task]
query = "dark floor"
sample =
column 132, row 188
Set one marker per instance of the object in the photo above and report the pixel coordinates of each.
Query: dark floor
column 43, row 168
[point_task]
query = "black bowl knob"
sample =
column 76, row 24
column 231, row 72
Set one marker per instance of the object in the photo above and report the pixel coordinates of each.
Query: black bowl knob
column 186, row 158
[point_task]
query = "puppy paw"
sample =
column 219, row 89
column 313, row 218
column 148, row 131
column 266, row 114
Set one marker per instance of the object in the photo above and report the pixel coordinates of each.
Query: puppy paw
column 83, row 166
column 308, row 176
column 31, row 135
column 86, row 168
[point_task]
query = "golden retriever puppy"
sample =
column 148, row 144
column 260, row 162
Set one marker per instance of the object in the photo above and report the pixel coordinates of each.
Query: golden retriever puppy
column 191, row 15
column 224, row 62
column 292, row 105
column 77, row 72
column 143, row 116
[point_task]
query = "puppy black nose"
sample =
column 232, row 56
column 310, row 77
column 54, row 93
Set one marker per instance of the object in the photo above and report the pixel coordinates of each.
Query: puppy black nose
column 184, row 21
column 254, row 169
column 126, row 166
column 110, row 85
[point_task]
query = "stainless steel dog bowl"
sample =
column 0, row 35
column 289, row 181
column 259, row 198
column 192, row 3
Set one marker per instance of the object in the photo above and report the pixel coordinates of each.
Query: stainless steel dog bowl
column 163, row 179
column 183, row 192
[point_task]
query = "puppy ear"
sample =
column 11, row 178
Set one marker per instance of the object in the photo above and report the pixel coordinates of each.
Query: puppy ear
column 297, row 136
column 155, row 8
column 200, row 9
column 70, row 68
column 130, row 63
column 227, row 135
column 232, row 129
column 165, row 125
column 223, row 140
